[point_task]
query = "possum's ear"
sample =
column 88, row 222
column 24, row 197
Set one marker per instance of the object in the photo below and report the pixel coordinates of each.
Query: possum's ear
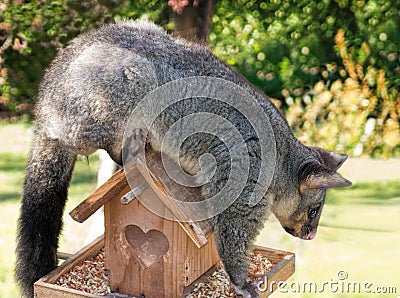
column 331, row 160
column 324, row 180
column 312, row 175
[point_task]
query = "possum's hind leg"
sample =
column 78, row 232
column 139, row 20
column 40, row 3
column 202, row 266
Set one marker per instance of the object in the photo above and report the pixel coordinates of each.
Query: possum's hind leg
column 48, row 174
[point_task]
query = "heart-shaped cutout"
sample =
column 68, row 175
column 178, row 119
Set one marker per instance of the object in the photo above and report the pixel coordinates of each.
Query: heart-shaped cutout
column 148, row 247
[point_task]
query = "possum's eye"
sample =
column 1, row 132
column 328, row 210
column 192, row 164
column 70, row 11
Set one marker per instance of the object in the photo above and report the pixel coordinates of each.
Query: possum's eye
column 312, row 212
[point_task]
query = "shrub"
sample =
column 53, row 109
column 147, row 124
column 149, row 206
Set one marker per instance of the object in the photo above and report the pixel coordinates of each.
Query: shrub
column 357, row 115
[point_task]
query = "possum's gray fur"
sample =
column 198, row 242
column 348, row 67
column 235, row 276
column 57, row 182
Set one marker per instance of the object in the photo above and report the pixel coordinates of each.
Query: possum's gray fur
column 85, row 99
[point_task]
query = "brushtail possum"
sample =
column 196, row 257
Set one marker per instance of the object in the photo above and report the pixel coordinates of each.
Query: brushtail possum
column 85, row 100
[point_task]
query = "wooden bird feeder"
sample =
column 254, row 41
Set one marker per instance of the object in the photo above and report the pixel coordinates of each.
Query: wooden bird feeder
column 148, row 254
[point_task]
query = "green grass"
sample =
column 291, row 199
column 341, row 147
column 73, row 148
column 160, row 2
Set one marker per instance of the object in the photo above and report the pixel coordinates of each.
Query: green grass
column 359, row 230
column 366, row 193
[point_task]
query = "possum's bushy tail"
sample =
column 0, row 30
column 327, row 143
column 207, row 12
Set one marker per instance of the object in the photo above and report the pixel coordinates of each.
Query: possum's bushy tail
column 48, row 173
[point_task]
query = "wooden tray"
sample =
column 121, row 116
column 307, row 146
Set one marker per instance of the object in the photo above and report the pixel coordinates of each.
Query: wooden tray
column 46, row 286
column 284, row 267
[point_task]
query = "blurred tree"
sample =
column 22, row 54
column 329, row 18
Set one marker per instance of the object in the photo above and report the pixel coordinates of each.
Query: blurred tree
column 287, row 46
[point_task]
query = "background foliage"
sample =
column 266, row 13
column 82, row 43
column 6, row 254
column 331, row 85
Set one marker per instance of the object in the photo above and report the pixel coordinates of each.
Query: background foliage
column 358, row 114
column 289, row 44
column 33, row 31
column 332, row 65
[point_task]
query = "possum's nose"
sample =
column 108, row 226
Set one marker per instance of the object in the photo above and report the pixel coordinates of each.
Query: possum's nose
column 311, row 235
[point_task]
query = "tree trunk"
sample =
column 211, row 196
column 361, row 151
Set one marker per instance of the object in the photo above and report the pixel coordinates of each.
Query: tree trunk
column 195, row 21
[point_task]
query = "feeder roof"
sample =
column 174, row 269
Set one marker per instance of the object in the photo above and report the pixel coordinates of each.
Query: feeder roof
column 168, row 191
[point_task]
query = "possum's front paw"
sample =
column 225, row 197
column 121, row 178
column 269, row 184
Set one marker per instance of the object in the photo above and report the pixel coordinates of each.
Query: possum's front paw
column 248, row 291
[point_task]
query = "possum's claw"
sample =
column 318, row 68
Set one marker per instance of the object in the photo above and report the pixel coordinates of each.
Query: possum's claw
column 249, row 291
column 136, row 143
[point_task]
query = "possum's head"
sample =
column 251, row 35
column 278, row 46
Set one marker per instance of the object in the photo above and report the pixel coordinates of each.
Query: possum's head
column 299, row 209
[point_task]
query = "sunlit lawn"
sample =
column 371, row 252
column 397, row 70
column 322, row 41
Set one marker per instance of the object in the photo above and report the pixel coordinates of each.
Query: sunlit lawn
column 359, row 230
